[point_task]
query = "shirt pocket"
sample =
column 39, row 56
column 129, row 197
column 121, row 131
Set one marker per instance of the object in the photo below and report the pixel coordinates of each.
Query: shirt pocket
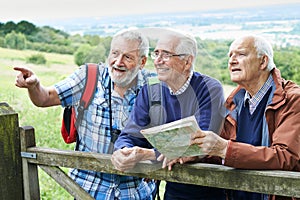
column 99, row 112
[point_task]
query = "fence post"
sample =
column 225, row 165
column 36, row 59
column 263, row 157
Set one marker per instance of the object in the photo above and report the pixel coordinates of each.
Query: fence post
column 30, row 171
column 11, row 185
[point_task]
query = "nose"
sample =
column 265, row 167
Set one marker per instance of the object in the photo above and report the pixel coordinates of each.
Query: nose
column 158, row 60
column 118, row 60
column 232, row 60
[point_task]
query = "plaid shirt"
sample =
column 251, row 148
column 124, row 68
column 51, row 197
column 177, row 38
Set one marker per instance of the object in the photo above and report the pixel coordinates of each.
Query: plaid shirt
column 94, row 134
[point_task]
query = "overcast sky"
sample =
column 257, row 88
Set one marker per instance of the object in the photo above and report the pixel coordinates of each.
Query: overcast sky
column 39, row 10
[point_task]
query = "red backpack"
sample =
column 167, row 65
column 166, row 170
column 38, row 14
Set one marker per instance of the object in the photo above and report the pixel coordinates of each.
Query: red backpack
column 69, row 121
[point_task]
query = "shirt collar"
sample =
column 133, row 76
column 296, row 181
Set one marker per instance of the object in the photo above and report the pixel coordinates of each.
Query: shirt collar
column 254, row 101
column 184, row 87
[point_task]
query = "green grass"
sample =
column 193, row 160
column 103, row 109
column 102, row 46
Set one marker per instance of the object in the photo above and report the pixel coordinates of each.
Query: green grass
column 46, row 121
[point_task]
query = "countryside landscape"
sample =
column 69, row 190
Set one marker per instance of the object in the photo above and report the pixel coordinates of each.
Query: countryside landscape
column 55, row 49
column 279, row 23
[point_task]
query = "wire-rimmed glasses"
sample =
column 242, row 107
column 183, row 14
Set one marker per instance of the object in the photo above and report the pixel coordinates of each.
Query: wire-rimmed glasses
column 164, row 56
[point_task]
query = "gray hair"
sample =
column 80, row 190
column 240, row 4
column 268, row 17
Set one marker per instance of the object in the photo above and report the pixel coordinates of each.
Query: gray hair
column 132, row 34
column 263, row 47
column 187, row 45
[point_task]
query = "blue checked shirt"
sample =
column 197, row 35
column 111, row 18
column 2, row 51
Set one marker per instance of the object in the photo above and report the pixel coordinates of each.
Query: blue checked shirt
column 254, row 101
column 94, row 134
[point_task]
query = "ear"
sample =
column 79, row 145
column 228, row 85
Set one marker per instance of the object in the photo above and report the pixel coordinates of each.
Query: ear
column 143, row 62
column 264, row 62
column 188, row 64
column 189, row 61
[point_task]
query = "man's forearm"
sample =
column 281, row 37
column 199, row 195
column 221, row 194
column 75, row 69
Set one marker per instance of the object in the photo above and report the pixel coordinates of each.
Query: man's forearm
column 42, row 96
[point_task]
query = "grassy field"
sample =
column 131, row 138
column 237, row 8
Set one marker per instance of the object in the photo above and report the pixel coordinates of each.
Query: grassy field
column 46, row 121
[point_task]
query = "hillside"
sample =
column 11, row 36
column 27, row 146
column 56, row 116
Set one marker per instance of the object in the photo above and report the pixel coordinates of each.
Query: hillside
column 279, row 22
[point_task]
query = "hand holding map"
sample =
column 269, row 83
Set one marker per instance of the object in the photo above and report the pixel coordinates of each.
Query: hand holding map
column 173, row 139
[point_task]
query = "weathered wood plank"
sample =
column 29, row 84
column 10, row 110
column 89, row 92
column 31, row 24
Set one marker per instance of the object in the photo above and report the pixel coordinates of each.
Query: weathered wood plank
column 5, row 109
column 66, row 182
column 30, row 171
column 263, row 181
column 10, row 158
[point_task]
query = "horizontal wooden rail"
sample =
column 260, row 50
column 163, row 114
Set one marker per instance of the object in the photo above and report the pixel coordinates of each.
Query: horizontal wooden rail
column 284, row 183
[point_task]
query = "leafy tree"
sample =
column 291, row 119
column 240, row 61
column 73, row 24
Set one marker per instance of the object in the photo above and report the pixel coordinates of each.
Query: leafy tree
column 51, row 48
column 77, row 39
column 15, row 40
column 42, row 36
column 93, row 40
column 287, row 60
column 57, row 31
column 105, row 41
column 9, row 27
column 81, row 55
column 89, row 54
column 1, row 29
column 50, row 35
column 212, row 59
column 97, row 54
column 26, row 28
column 2, row 42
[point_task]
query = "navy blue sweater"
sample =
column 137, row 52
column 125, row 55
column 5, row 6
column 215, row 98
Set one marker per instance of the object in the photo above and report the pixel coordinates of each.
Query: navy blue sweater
column 203, row 98
column 250, row 132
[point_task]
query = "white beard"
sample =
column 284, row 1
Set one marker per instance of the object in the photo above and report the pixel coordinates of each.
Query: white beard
column 119, row 79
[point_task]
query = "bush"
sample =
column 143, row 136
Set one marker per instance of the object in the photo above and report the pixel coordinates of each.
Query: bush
column 36, row 59
column 51, row 48
column 81, row 55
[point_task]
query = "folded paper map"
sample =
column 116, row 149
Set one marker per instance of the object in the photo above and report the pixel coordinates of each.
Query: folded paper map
column 173, row 139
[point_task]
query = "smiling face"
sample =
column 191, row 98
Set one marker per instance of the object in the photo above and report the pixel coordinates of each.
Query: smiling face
column 244, row 65
column 176, row 70
column 124, row 61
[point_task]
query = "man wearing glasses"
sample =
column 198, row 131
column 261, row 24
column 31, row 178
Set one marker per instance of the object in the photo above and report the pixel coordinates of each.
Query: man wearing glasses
column 183, row 93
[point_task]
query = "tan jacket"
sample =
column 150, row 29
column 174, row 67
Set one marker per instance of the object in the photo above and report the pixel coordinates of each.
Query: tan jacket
column 281, row 128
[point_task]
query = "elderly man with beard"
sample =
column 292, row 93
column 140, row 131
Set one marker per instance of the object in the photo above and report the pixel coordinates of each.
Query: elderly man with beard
column 119, row 82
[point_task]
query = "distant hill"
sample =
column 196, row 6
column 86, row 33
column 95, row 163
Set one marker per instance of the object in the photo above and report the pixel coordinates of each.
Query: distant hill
column 280, row 23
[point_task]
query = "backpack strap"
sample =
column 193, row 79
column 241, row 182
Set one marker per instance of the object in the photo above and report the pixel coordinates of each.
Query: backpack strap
column 156, row 114
column 88, row 90
column 156, row 110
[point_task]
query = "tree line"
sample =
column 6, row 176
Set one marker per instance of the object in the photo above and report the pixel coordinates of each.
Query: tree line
column 212, row 54
column 25, row 35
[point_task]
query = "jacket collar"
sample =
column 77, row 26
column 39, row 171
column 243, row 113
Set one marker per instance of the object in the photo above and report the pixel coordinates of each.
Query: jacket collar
column 278, row 95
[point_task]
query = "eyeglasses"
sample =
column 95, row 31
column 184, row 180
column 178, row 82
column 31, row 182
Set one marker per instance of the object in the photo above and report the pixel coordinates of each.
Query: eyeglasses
column 164, row 56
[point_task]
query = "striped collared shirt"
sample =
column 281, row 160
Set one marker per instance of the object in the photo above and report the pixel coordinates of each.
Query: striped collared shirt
column 184, row 87
column 254, row 101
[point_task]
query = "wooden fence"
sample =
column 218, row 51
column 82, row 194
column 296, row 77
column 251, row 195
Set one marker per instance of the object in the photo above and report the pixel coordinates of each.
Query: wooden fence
column 20, row 159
